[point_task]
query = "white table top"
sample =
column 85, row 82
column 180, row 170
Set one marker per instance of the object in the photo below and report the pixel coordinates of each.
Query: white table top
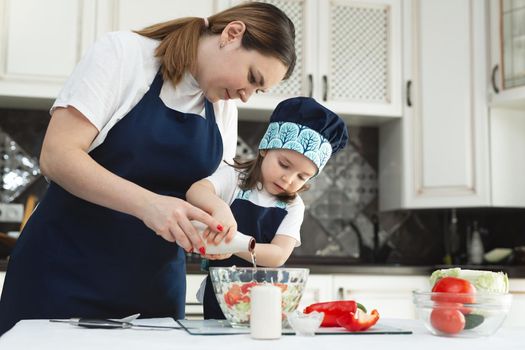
column 44, row 335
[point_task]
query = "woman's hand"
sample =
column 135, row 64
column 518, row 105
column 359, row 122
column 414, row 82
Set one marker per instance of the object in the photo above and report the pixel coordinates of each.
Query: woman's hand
column 170, row 218
column 216, row 256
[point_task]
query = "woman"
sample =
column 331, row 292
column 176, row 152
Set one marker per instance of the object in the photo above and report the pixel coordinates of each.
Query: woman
column 143, row 116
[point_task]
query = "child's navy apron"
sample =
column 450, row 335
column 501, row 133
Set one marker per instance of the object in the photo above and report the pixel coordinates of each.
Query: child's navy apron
column 259, row 222
column 78, row 259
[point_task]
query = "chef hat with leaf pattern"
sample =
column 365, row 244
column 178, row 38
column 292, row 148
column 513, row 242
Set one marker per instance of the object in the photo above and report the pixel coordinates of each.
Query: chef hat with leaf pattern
column 303, row 125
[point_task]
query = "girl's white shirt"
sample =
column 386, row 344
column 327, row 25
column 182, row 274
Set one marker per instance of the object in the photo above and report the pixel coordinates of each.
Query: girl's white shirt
column 114, row 75
column 225, row 181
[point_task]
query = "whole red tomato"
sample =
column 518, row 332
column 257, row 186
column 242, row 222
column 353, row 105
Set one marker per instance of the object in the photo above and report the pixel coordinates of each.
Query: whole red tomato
column 459, row 290
column 447, row 320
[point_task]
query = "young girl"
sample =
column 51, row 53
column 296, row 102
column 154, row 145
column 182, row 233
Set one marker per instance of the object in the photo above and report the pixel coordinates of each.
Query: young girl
column 260, row 197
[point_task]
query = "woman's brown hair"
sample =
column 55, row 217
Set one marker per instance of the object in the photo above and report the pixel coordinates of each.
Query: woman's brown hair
column 251, row 177
column 268, row 31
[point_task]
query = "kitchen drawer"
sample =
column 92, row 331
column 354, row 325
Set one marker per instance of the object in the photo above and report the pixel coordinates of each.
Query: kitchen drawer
column 515, row 316
column 390, row 295
column 193, row 307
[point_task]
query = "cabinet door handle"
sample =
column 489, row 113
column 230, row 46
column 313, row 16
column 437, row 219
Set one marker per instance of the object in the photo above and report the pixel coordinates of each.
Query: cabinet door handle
column 409, row 92
column 493, row 79
column 310, row 85
column 341, row 293
column 325, row 87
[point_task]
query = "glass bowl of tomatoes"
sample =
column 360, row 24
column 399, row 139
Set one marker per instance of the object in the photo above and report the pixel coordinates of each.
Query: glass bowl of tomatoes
column 465, row 315
column 232, row 288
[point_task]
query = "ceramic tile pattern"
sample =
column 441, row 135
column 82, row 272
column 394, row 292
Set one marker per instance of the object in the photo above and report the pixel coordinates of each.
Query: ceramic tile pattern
column 18, row 169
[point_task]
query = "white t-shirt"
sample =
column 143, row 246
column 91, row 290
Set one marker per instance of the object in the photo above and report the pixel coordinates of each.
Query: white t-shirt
column 118, row 70
column 225, row 181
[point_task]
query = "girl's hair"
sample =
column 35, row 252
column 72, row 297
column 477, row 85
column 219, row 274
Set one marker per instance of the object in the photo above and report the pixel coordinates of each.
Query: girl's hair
column 268, row 30
column 251, row 177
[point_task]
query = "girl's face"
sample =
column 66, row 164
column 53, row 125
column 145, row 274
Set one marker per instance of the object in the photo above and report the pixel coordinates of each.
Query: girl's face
column 285, row 171
column 232, row 72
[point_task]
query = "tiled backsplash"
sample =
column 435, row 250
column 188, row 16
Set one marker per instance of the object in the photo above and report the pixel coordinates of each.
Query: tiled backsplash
column 18, row 169
column 341, row 206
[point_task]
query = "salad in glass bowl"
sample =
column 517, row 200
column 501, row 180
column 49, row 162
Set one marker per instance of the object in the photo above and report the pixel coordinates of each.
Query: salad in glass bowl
column 232, row 287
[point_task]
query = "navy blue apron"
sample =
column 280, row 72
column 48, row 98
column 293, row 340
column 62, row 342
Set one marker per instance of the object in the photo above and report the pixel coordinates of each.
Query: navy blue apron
column 259, row 222
column 78, row 259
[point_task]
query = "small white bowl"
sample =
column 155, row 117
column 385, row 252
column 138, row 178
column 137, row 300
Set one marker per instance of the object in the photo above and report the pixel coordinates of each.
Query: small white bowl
column 305, row 324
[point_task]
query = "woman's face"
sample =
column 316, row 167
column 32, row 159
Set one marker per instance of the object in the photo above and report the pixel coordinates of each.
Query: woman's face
column 231, row 72
column 285, row 171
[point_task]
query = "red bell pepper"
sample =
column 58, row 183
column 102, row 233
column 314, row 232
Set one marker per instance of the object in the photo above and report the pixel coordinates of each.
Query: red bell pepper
column 358, row 321
column 332, row 310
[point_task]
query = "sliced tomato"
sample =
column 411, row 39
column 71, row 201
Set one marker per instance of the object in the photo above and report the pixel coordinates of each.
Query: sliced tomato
column 245, row 288
column 233, row 296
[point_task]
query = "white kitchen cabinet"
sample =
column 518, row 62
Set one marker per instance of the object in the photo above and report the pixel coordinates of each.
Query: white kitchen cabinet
column 136, row 14
column 507, row 145
column 517, row 310
column 507, row 54
column 437, row 155
column 41, row 43
column 390, row 295
column 193, row 307
column 349, row 58
column 318, row 288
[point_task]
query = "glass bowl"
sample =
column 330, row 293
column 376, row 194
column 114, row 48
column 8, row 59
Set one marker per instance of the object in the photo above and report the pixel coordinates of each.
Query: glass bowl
column 460, row 314
column 232, row 288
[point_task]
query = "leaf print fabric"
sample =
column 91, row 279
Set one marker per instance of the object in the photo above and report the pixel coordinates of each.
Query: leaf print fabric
column 300, row 138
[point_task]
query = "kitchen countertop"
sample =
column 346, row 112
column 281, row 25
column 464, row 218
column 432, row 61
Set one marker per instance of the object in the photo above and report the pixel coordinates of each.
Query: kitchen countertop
column 44, row 335
column 372, row 269
column 377, row 269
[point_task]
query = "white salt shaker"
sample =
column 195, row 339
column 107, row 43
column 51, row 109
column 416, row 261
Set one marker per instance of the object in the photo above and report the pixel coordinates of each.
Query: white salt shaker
column 266, row 312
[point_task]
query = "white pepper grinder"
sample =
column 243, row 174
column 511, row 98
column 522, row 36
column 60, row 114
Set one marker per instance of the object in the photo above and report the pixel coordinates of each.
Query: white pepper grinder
column 476, row 251
column 266, row 312
column 239, row 243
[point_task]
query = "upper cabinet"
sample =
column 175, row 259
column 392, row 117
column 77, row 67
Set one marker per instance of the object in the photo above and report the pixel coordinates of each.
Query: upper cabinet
column 507, row 144
column 41, row 41
column 507, row 52
column 349, row 52
column 115, row 15
column 349, row 58
column 437, row 155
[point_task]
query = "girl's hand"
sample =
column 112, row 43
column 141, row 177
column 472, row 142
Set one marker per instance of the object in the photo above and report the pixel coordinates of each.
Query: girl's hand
column 225, row 216
column 169, row 217
column 216, row 256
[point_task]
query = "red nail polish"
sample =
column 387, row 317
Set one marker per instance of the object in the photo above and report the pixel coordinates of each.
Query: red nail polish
column 202, row 250
column 220, row 228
